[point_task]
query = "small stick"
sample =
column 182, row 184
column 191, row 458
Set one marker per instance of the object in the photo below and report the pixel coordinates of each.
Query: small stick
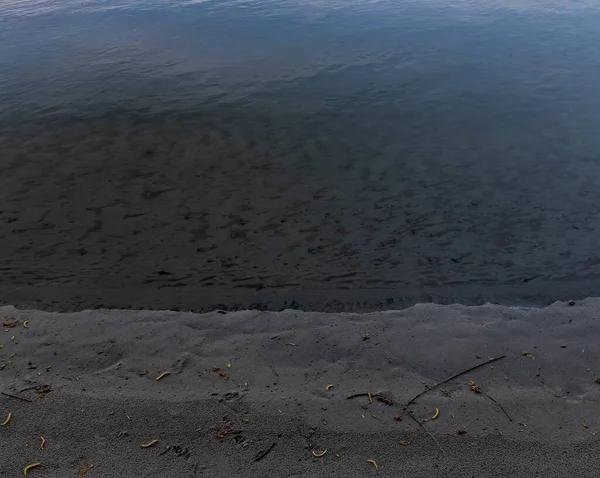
column 494, row 359
column 357, row 395
column 501, row 407
column 16, row 397
column 445, row 392
column 375, row 417
column 164, row 451
column 262, row 454
column 412, row 415
column 29, row 388
column 381, row 398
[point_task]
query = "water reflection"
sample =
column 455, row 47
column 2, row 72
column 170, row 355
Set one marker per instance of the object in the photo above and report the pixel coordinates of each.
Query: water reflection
column 416, row 144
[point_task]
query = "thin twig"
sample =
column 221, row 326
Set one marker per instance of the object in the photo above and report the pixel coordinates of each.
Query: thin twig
column 412, row 415
column 445, row 392
column 270, row 365
column 16, row 397
column 494, row 359
column 501, row 407
column 261, row 455
column 381, row 398
column 357, row 395
column 28, row 388
column 164, row 451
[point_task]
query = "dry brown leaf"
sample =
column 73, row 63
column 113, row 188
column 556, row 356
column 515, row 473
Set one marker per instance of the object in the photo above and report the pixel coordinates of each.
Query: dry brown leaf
column 386, row 400
column 404, row 442
column 225, row 375
column 43, row 390
column 11, row 322
column 474, row 387
column 85, row 468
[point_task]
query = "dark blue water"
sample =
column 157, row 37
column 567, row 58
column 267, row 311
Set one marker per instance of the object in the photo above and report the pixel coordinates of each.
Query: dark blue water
column 263, row 151
column 476, row 61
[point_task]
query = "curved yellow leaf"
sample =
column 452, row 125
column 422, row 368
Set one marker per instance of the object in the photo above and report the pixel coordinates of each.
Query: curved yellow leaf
column 29, row 467
column 7, row 419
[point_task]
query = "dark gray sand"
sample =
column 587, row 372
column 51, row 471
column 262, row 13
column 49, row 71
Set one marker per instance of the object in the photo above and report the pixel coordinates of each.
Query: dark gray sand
column 245, row 211
column 99, row 370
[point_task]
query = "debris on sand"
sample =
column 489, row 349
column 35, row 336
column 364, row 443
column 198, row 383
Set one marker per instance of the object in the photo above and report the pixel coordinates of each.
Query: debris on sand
column 456, row 375
column 5, row 422
column 319, row 454
column 398, row 417
column 404, row 442
column 162, row 375
column 11, row 322
column 329, row 387
column 260, row 455
column 373, row 462
column 386, row 400
column 43, row 391
column 85, row 468
column 474, row 387
column 16, row 397
column 43, row 443
column 225, row 375
column 436, row 414
column 29, row 467
column 149, row 444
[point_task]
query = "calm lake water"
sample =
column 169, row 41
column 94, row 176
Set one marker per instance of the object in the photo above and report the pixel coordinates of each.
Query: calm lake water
column 314, row 153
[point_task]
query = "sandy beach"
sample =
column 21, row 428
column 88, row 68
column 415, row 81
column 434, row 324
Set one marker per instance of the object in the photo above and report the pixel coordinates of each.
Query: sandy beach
column 244, row 383
column 299, row 239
